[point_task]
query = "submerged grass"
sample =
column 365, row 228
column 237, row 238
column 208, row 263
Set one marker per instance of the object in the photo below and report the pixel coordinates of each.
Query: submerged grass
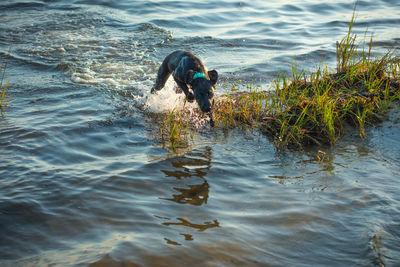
column 308, row 108
column 175, row 128
column 3, row 89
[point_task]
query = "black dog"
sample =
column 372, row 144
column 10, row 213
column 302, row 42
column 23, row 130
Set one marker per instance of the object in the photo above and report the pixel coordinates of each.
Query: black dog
column 187, row 69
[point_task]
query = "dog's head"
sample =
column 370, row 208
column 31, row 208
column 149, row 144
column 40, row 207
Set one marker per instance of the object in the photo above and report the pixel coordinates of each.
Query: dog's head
column 203, row 88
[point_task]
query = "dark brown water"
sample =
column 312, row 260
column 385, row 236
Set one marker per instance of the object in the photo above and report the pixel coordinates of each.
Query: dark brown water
column 84, row 178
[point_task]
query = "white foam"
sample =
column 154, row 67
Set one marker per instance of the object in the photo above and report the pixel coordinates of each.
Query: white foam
column 167, row 99
column 120, row 75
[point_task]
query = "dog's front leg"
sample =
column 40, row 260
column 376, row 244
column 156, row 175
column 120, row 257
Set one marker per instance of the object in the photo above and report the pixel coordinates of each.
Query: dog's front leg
column 183, row 86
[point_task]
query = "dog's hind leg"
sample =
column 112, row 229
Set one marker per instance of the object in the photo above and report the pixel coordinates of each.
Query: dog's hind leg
column 162, row 77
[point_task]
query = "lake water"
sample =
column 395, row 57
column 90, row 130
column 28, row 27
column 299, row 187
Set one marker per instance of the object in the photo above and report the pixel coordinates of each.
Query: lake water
column 86, row 180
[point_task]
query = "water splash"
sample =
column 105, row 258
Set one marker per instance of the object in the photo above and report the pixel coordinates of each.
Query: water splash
column 167, row 99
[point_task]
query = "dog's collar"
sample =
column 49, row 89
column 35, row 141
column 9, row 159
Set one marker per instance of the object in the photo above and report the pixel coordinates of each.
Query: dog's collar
column 199, row 75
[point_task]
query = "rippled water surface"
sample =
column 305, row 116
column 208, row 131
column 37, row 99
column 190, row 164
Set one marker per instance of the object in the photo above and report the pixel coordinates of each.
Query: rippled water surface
column 86, row 180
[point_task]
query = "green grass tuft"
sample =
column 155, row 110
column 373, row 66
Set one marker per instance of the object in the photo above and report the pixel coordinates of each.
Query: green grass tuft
column 314, row 108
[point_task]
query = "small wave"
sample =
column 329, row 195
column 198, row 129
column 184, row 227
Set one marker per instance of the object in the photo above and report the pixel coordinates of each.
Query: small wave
column 31, row 4
column 89, row 54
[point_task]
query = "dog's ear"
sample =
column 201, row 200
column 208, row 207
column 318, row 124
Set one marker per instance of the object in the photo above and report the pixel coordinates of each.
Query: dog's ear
column 213, row 74
column 189, row 77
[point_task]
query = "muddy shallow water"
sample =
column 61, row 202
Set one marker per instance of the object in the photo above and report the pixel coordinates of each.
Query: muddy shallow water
column 84, row 178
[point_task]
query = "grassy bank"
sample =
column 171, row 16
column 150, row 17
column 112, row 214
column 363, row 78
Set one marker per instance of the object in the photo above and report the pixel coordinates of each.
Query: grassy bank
column 313, row 108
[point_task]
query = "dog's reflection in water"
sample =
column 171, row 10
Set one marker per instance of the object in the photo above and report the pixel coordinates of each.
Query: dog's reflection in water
column 195, row 164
